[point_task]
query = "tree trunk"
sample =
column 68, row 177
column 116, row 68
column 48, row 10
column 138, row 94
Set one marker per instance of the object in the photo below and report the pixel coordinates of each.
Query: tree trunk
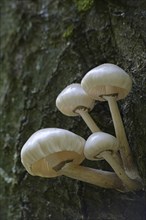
column 45, row 46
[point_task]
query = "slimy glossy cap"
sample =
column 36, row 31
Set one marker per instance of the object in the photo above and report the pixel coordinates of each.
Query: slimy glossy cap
column 99, row 142
column 47, row 151
column 107, row 79
column 73, row 97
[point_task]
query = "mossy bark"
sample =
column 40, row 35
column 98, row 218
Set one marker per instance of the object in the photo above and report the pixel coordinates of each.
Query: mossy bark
column 46, row 45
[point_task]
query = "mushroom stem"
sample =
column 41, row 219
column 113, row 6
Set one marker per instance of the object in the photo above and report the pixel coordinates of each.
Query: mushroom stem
column 125, row 151
column 117, row 158
column 96, row 177
column 129, row 183
column 88, row 120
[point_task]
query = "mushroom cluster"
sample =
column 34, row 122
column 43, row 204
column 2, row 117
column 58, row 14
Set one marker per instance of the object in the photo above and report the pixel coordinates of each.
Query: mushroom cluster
column 53, row 152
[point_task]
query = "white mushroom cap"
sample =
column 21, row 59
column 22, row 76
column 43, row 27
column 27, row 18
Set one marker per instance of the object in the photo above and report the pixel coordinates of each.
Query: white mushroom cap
column 73, row 97
column 48, row 149
column 107, row 79
column 99, row 142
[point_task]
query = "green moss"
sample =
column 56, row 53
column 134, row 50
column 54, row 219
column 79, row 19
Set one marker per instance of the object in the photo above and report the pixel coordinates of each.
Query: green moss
column 84, row 5
column 68, row 32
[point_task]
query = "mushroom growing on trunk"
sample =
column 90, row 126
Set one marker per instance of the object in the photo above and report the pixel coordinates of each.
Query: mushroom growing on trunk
column 109, row 82
column 73, row 101
column 101, row 146
column 52, row 152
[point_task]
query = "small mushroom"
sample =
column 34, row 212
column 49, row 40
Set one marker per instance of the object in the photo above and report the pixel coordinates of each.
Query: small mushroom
column 109, row 82
column 100, row 146
column 52, row 152
column 73, row 101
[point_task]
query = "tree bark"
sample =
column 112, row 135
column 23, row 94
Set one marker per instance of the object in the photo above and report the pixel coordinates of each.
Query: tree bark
column 45, row 46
